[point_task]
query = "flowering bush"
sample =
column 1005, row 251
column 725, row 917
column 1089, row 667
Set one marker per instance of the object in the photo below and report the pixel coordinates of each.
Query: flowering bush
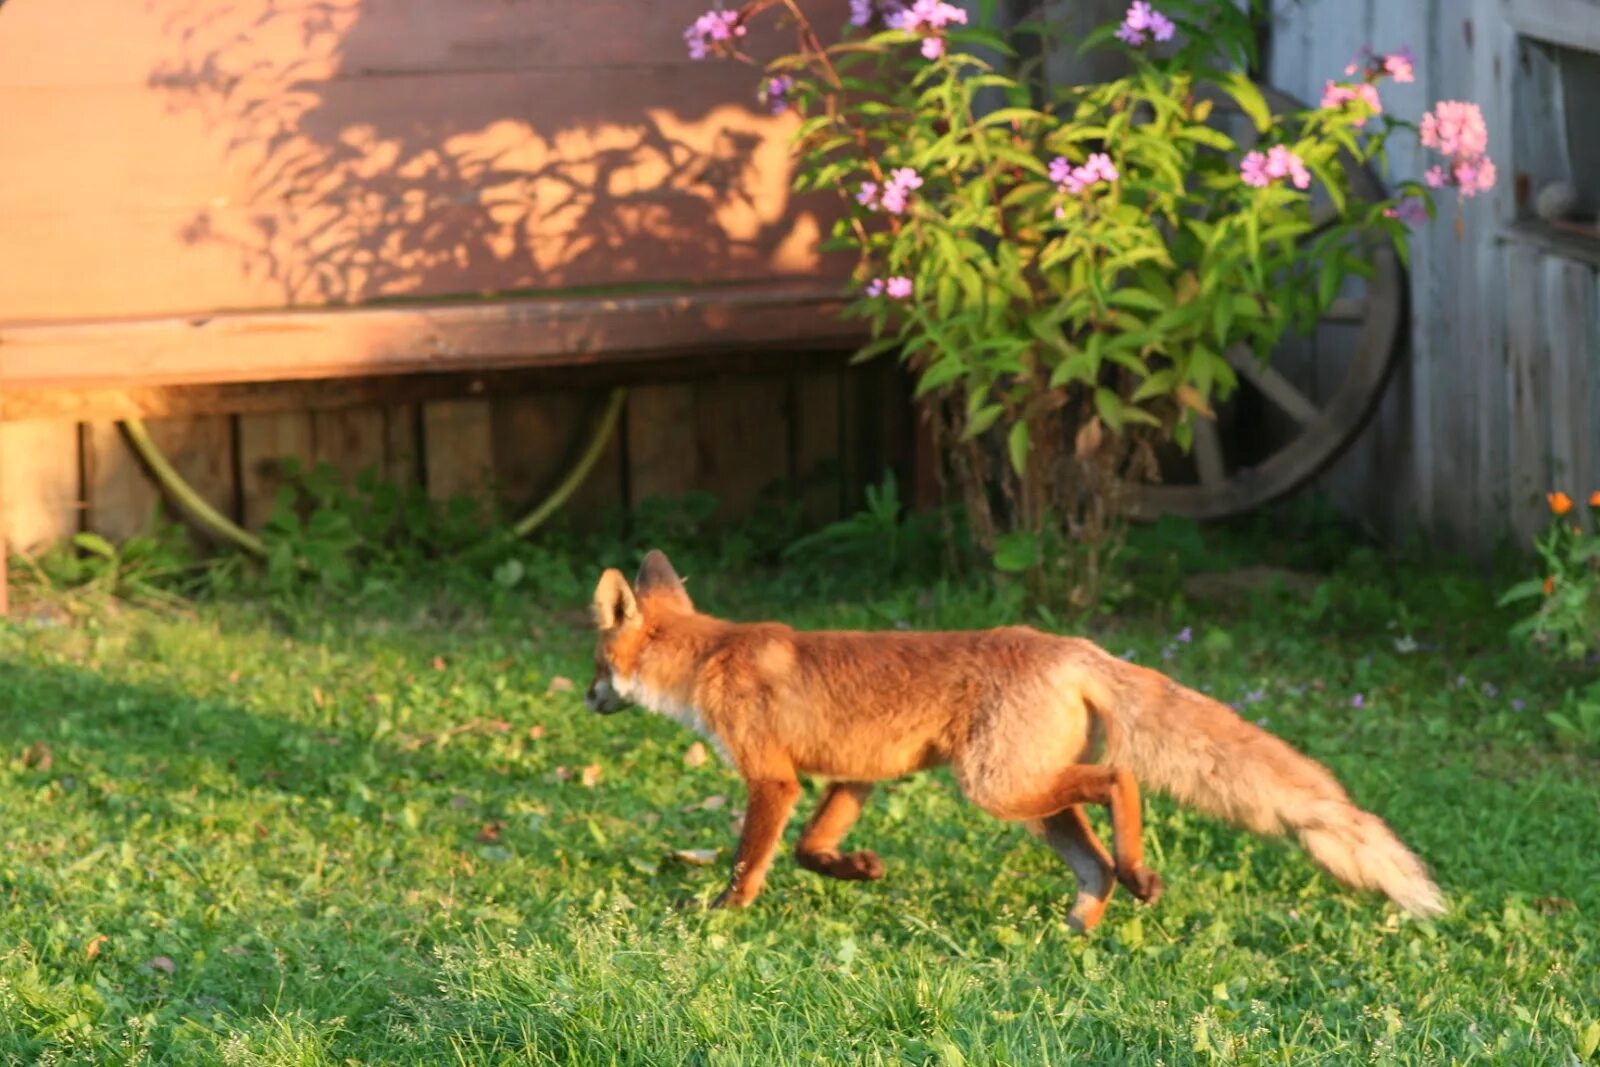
column 1567, row 619
column 1065, row 279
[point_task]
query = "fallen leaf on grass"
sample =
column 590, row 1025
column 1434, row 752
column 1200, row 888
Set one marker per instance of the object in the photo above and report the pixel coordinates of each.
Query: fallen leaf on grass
column 695, row 755
column 490, row 832
column 559, row 684
column 163, row 964
column 591, row 775
column 697, row 857
column 438, row 663
column 38, row 756
column 563, row 774
column 535, row 733
column 96, row 943
column 710, row 803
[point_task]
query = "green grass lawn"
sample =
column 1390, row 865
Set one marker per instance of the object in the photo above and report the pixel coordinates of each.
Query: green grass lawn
column 384, row 831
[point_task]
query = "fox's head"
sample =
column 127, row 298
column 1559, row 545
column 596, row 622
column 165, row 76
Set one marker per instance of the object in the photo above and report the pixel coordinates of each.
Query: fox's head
column 623, row 615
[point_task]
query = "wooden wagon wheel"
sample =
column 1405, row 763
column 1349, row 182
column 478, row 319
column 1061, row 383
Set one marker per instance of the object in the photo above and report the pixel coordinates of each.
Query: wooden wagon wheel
column 1291, row 418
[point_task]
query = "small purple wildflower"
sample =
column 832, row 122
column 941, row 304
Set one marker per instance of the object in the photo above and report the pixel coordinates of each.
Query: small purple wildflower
column 1517, row 704
column 1358, row 701
column 868, row 194
column 1185, row 635
column 1410, row 211
column 864, row 11
column 712, row 32
column 1491, row 690
column 875, row 287
column 1129, row 654
column 897, row 189
column 1168, row 651
column 898, row 288
column 775, row 93
column 1461, row 681
column 1142, row 19
column 932, row 47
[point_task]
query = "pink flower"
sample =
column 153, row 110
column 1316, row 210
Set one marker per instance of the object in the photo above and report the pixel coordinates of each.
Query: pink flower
column 1141, row 19
column 1260, row 170
column 868, row 196
column 713, row 32
column 1253, row 170
column 775, row 93
column 929, row 18
column 1455, row 128
column 1073, row 180
column 875, row 287
column 898, row 288
column 1336, row 96
column 897, row 190
column 1401, row 65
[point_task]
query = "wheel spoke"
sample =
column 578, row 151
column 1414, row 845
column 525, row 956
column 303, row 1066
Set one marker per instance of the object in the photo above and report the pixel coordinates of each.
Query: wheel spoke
column 1273, row 385
column 1208, row 451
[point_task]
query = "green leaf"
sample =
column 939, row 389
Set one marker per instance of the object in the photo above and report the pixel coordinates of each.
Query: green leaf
column 1248, row 97
column 94, row 543
column 982, row 419
column 1017, row 446
column 1016, row 551
column 942, row 372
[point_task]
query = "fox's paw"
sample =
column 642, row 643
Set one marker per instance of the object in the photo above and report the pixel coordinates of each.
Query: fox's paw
column 1143, row 883
column 862, row 866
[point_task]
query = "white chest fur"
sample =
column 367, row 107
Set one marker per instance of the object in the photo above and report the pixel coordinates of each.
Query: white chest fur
column 680, row 712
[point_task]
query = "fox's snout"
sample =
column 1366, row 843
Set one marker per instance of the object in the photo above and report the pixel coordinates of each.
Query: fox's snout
column 601, row 698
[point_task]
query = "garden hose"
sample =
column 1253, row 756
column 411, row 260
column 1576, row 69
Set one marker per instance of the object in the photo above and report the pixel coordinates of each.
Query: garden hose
column 591, row 455
column 219, row 525
column 208, row 517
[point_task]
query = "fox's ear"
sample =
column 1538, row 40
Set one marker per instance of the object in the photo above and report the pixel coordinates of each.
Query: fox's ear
column 614, row 604
column 657, row 576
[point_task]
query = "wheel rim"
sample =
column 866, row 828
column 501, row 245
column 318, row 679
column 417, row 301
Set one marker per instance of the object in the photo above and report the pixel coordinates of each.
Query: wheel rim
column 1219, row 480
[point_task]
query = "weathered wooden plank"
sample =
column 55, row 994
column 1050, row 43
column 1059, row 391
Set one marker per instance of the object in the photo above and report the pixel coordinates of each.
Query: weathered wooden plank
column 536, row 440
column 817, row 446
column 1528, row 356
column 741, row 428
column 114, row 41
column 452, row 185
column 350, row 441
column 392, row 392
column 43, row 500
column 661, row 458
column 458, row 446
column 265, row 441
column 480, row 335
column 119, row 493
column 1569, row 290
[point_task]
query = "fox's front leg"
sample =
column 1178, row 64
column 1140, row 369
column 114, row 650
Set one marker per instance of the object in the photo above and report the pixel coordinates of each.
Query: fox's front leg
column 818, row 849
column 767, row 811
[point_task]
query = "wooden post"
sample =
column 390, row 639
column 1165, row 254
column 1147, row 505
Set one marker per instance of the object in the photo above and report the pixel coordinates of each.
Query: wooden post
column 5, row 578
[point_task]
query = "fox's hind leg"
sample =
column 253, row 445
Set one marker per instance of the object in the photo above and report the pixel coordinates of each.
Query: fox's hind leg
column 818, row 849
column 1070, row 835
column 1089, row 784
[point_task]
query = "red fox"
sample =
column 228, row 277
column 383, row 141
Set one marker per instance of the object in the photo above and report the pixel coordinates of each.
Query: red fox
column 1034, row 726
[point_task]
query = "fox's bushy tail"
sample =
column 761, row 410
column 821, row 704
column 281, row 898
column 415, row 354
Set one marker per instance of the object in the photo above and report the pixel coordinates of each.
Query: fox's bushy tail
column 1202, row 754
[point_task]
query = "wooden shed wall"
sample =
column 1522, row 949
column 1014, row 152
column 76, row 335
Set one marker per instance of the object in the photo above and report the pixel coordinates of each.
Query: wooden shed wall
column 183, row 156
column 1498, row 399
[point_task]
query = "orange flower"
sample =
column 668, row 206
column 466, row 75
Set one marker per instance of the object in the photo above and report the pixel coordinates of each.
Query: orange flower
column 1549, row 585
column 1594, row 499
column 1560, row 503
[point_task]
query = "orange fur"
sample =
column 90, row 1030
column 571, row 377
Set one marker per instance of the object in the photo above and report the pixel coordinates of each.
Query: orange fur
column 1034, row 726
